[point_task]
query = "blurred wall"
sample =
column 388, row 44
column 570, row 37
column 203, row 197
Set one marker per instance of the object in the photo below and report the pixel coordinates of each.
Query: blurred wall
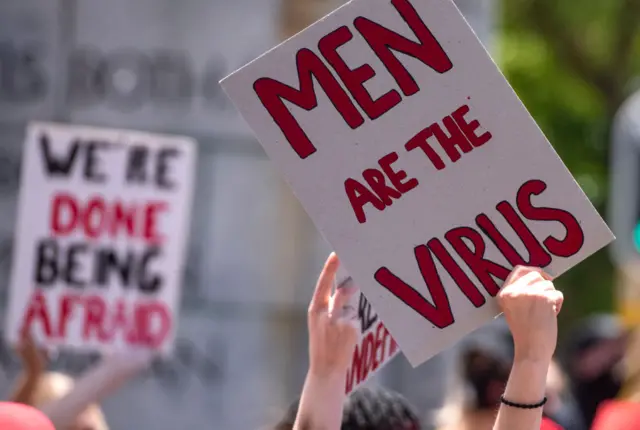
column 254, row 254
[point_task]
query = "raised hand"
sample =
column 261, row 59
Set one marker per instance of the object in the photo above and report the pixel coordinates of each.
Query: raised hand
column 333, row 332
column 531, row 304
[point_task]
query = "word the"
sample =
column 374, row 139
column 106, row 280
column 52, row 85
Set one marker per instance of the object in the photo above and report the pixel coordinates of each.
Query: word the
column 386, row 184
column 144, row 324
column 385, row 43
column 470, row 246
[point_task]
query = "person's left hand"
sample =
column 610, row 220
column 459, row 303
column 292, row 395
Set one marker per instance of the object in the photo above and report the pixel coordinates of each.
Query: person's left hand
column 531, row 305
column 333, row 332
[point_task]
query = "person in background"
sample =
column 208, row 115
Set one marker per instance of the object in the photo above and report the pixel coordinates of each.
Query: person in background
column 368, row 409
column 69, row 404
column 530, row 304
column 17, row 416
column 561, row 407
column 486, row 358
column 623, row 413
column 593, row 354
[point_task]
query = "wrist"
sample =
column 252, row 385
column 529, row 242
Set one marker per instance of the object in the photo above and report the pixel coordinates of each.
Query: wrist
column 326, row 385
column 527, row 381
column 532, row 356
column 327, row 376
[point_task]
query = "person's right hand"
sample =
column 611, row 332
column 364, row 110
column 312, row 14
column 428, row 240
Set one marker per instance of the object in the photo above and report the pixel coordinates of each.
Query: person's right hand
column 333, row 333
column 530, row 304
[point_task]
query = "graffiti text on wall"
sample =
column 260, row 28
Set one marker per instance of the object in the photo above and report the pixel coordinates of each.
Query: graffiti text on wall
column 125, row 80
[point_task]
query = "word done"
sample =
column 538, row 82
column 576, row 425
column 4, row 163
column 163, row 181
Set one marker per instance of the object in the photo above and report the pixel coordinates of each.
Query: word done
column 98, row 217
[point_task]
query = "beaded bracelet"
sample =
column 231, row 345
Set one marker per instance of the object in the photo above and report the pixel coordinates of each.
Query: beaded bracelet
column 523, row 405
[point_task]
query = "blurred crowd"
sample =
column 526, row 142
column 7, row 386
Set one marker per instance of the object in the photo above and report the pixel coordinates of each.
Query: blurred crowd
column 587, row 383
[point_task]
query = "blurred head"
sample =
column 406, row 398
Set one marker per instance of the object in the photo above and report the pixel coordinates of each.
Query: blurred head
column 52, row 386
column 16, row 416
column 487, row 356
column 369, row 409
column 593, row 352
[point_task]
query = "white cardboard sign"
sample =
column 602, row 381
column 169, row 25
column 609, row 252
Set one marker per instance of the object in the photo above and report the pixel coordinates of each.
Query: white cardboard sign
column 100, row 240
column 418, row 163
column 375, row 348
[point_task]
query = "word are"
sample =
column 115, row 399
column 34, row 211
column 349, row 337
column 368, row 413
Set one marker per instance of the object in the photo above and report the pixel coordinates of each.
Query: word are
column 144, row 324
column 470, row 246
column 384, row 42
column 386, row 184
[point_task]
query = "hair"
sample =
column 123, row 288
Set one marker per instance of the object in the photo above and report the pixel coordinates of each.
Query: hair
column 368, row 409
column 54, row 385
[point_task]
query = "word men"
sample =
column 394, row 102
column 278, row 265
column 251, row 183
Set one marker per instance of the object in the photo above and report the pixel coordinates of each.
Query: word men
column 99, row 246
column 418, row 163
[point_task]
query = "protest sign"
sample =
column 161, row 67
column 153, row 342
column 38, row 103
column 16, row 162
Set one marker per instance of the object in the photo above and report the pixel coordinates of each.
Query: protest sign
column 418, row 163
column 100, row 239
column 375, row 348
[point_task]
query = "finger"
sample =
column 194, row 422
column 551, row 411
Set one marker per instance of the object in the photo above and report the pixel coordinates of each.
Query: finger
column 544, row 286
column 522, row 271
column 557, row 298
column 516, row 273
column 341, row 299
column 322, row 294
column 530, row 278
column 545, row 275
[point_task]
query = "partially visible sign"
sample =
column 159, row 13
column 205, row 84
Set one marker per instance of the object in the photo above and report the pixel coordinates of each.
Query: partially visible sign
column 375, row 348
column 418, row 163
column 102, row 226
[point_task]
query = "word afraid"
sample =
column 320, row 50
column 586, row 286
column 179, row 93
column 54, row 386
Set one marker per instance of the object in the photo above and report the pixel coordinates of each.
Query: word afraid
column 384, row 43
column 143, row 324
column 470, row 246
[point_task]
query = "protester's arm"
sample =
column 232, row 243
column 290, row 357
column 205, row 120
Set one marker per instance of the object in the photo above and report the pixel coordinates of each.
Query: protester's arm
column 530, row 304
column 95, row 385
column 34, row 364
column 332, row 339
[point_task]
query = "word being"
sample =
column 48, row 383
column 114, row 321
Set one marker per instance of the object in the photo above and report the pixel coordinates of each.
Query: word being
column 144, row 324
column 470, row 245
column 384, row 43
column 386, row 184
column 80, row 265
